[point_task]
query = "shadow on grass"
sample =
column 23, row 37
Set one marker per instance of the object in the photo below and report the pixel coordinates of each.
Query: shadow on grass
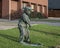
column 46, row 32
column 16, row 38
column 51, row 47
column 9, row 37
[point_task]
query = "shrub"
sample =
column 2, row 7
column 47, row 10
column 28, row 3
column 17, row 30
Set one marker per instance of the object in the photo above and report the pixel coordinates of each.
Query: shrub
column 37, row 15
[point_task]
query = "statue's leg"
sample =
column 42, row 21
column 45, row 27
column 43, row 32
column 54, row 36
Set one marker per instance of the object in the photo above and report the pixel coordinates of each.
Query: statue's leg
column 21, row 37
column 27, row 39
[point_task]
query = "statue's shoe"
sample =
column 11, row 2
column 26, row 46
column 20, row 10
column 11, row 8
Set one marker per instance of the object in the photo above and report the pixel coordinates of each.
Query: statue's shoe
column 31, row 44
column 29, row 41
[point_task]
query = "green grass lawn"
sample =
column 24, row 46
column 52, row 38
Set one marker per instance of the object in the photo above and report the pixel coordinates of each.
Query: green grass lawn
column 45, row 34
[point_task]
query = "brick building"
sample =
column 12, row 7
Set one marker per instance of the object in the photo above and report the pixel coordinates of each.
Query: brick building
column 10, row 8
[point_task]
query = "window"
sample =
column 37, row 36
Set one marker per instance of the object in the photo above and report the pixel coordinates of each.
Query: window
column 33, row 7
column 44, row 9
column 38, row 8
column 24, row 4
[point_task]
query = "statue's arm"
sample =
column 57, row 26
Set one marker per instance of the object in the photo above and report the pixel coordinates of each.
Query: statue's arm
column 28, row 22
column 19, row 22
column 29, row 25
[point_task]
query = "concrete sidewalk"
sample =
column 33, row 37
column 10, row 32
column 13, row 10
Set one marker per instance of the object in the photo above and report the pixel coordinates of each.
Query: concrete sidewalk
column 6, row 27
column 53, row 18
column 10, row 25
column 6, row 24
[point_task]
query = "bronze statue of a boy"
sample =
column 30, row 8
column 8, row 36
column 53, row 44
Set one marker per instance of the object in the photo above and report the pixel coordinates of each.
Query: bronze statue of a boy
column 24, row 24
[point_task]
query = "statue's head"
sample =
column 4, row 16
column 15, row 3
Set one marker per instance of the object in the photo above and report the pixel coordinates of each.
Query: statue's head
column 27, row 9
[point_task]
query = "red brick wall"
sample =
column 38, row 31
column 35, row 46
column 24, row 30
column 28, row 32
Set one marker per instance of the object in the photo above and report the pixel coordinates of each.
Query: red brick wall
column 17, row 5
column 14, row 9
column 5, row 8
column 40, row 2
column 14, row 5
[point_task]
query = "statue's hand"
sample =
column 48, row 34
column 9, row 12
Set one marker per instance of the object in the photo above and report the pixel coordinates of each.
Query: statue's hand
column 29, row 25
